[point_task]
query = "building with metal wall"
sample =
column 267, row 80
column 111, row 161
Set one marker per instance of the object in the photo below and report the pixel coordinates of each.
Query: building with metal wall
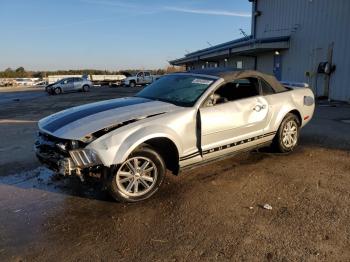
column 300, row 40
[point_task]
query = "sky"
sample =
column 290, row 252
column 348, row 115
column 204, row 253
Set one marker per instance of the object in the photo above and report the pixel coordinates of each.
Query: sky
column 113, row 34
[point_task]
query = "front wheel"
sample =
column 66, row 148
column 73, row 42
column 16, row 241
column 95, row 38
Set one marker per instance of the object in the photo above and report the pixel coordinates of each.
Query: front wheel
column 287, row 136
column 132, row 84
column 139, row 177
column 58, row 91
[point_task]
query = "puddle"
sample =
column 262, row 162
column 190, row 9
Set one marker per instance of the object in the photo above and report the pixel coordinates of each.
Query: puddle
column 40, row 173
column 44, row 179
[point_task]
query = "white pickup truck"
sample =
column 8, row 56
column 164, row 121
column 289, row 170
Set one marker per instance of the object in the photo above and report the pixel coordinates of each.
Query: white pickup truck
column 141, row 78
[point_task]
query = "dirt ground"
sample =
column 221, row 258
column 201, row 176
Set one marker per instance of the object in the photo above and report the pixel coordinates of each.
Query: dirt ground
column 211, row 213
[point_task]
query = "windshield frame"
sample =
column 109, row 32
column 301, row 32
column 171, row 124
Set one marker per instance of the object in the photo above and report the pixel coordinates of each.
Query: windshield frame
column 193, row 104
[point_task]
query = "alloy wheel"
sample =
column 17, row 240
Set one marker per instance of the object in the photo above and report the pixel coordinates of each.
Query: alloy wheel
column 136, row 176
column 290, row 134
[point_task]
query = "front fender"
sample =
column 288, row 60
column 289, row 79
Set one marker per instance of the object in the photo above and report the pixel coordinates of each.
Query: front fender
column 141, row 136
column 117, row 146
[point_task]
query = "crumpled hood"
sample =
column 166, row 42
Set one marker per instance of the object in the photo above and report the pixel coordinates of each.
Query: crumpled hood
column 77, row 122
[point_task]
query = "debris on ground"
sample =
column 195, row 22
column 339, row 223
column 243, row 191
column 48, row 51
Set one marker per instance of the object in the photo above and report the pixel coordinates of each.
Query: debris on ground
column 267, row 206
column 159, row 240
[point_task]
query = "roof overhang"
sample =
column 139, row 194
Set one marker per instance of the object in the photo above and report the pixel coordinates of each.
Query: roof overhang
column 247, row 47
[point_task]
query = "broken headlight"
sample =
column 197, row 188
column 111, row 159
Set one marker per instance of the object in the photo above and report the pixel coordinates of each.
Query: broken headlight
column 74, row 144
column 84, row 157
column 62, row 146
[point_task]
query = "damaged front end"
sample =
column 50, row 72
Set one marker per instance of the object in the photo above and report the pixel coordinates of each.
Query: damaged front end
column 73, row 157
column 66, row 157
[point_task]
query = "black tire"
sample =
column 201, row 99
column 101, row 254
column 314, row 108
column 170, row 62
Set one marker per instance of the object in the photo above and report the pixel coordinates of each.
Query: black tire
column 118, row 189
column 48, row 91
column 281, row 143
column 57, row 91
column 86, row 88
column 132, row 84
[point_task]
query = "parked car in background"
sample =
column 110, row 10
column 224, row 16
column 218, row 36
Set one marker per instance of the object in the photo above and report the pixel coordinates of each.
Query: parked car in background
column 180, row 121
column 141, row 78
column 24, row 81
column 7, row 82
column 107, row 80
column 70, row 84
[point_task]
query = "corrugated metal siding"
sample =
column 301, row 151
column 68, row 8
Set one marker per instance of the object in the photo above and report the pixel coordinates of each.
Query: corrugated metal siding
column 313, row 26
column 265, row 63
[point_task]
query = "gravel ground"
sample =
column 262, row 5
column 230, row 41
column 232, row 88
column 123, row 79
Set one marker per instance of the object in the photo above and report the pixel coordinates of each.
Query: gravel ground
column 210, row 213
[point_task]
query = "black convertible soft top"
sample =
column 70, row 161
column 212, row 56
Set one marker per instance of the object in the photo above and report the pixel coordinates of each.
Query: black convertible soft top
column 231, row 74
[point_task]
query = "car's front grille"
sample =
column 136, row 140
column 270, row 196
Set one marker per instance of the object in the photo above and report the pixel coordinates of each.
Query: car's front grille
column 48, row 151
column 52, row 152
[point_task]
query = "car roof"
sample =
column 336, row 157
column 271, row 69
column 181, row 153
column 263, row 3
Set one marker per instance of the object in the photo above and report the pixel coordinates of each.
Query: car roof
column 230, row 74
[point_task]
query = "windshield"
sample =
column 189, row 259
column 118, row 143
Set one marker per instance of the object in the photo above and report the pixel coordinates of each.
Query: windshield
column 181, row 90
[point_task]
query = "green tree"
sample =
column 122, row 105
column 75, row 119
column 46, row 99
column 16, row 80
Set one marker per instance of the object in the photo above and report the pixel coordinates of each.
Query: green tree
column 20, row 70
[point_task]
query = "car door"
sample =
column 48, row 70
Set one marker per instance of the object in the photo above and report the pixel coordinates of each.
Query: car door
column 148, row 78
column 140, row 78
column 78, row 83
column 233, row 118
column 64, row 85
column 68, row 84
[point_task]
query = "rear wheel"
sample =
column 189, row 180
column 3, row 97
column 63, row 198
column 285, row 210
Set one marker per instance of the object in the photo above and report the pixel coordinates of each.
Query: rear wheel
column 287, row 136
column 86, row 88
column 139, row 177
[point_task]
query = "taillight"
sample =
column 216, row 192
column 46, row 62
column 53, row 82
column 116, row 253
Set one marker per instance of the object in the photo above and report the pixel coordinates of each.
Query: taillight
column 309, row 100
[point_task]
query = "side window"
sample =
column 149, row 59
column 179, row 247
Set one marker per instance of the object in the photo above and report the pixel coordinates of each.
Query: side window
column 235, row 90
column 147, row 74
column 140, row 74
column 266, row 88
column 70, row 80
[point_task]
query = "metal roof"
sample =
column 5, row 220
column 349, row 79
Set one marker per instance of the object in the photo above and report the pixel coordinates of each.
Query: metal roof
column 219, row 71
column 246, row 45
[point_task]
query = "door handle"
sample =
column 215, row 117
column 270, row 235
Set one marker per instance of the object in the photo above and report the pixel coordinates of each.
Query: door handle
column 258, row 108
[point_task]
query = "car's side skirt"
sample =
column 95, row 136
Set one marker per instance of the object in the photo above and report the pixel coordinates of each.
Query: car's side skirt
column 232, row 148
column 224, row 156
column 238, row 143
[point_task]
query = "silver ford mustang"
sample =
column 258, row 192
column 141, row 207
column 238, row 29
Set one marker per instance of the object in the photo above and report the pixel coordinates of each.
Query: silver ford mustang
column 179, row 121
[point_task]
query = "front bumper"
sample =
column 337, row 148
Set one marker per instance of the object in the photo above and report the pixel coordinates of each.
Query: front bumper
column 61, row 165
column 49, row 152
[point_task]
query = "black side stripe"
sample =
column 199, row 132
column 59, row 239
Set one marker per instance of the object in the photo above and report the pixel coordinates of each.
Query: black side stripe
column 189, row 156
column 91, row 110
column 219, row 148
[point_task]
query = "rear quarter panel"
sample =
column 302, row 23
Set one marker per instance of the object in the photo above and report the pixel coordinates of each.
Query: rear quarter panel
column 282, row 103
